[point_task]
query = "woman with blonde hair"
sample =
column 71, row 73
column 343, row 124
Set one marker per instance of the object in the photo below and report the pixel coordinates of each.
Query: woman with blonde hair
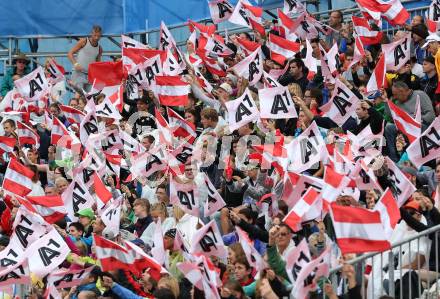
column 158, row 212
column 170, row 283
column 186, row 224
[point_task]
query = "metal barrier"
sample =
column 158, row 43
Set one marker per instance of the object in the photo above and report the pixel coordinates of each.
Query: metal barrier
column 386, row 278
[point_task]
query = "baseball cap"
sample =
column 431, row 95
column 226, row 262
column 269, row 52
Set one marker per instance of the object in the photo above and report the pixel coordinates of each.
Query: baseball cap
column 226, row 87
column 412, row 205
column 87, row 212
column 434, row 37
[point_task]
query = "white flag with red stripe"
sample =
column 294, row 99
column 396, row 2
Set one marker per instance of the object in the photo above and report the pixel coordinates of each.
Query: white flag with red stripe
column 220, row 10
column 34, row 86
column 251, row 68
column 405, row 123
column 377, row 79
column 242, row 111
column 103, row 195
column 287, row 24
column 366, row 34
column 52, row 250
column 56, row 72
column 208, row 241
column 389, row 212
column 18, row 178
column 358, row 230
column 293, row 7
column 393, row 10
column 296, row 185
column 27, row 135
column 74, row 116
column 342, row 104
column 397, row 54
column 50, row 207
column 426, row 147
column 294, row 218
column 172, row 90
column 180, row 127
column 7, row 144
column 359, row 51
column 282, row 49
column 276, row 103
column 216, row 47
column 142, row 261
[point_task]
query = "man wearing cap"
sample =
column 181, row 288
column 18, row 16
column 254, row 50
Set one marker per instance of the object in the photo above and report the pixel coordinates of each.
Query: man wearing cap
column 20, row 67
column 430, row 81
column 175, row 256
column 86, row 217
column 419, row 34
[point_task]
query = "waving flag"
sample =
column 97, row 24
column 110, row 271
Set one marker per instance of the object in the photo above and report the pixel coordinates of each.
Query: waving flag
column 172, row 91
column 389, row 212
column 50, row 207
column 105, row 73
column 27, row 135
column 392, row 10
column 67, row 278
column 366, row 34
column 181, row 127
column 294, row 218
column 103, row 195
column 358, row 230
column 7, row 144
column 405, row 123
column 34, row 86
column 377, row 79
column 281, row 48
column 74, row 116
column 220, row 10
column 18, row 178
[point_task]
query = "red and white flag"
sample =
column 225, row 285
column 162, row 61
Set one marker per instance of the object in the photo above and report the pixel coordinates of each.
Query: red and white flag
column 276, row 103
column 287, row 24
column 186, row 196
column 359, row 51
column 251, row 68
column 52, row 250
column 294, row 218
column 50, row 207
column 282, row 49
column 405, row 123
column 220, row 10
column 142, row 261
column 149, row 162
column 215, row 201
column 342, row 104
column 111, row 215
column 366, row 34
column 389, row 212
column 115, row 94
column 433, row 26
column 242, row 111
column 243, row 12
column 172, row 90
column 397, row 54
column 181, row 127
column 74, row 116
column 377, row 79
column 89, row 124
column 18, row 178
column 27, row 135
column 128, row 42
column 393, row 10
column 58, row 131
column 7, row 144
column 363, row 177
column 107, row 109
column 217, row 48
column 358, row 230
column 34, row 86
column 248, row 46
column 310, row 61
column 113, row 256
column 293, row 7
column 426, row 147
column 208, row 241
column 334, row 184
column 103, row 195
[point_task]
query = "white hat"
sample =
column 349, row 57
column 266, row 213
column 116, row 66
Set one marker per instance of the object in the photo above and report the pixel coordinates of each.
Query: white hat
column 226, row 87
column 433, row 37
